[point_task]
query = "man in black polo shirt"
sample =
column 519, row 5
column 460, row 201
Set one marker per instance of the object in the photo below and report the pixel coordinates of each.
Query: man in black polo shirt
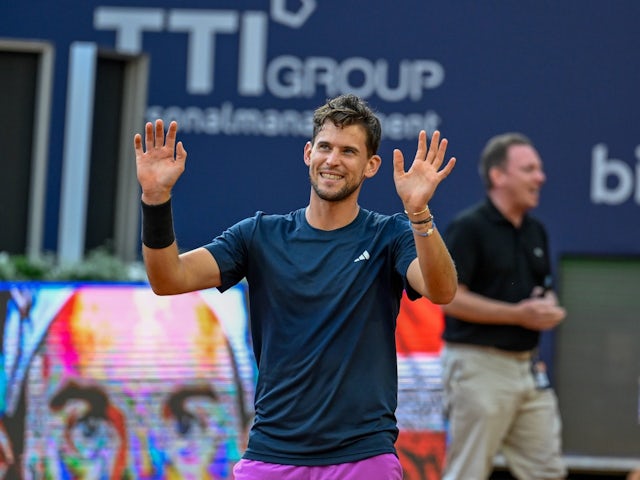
column 496, row 394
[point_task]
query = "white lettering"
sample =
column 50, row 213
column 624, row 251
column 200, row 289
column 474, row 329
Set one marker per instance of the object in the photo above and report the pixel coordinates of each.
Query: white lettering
column 229, row 120
column 382, row 80
column 202, row 26
column 399, row 126
column 253, row 54
column 612, row 179
column 129, row 23
column 285, row 76
column 290, row 77
column 319, row 71
column 425, row 74
column 360, row 68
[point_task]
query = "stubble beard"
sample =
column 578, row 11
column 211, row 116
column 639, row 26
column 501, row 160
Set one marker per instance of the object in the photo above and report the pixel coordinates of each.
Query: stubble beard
column 342, row 194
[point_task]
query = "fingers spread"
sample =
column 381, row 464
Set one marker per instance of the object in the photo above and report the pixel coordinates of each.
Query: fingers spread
column 442, row 149
column 398, row 163
column 433, row 146
column 181, row 153
column 159, row 141
column 421, row 152
column 137, row 143
column 171, row 135
column 148, row 136
column 444, row 173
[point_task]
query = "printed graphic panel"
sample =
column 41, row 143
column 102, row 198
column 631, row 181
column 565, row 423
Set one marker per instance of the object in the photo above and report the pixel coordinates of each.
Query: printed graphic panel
column 110, row 381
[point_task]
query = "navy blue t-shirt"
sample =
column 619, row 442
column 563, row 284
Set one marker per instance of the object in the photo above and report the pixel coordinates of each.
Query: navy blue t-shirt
column 323, row 310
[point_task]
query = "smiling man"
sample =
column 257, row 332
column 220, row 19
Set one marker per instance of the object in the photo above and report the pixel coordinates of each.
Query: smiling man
column 496, row 393
column 325, row 283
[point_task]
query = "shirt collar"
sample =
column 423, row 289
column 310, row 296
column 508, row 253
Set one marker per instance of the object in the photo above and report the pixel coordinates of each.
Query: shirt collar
column 494, row 215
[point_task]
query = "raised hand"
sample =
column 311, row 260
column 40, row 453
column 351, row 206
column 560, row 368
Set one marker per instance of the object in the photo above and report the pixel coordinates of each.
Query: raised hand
column 416, row 186
column 160, row 163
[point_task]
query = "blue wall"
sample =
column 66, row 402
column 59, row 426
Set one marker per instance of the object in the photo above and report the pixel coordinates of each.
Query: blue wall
column 565, row 73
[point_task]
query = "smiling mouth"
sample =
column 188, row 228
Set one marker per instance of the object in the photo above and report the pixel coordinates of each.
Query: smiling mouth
column 330, row 176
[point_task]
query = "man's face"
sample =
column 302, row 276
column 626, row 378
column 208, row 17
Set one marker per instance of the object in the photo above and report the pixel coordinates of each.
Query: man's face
column 522, row 177
column 338, row 161
column 134, row 386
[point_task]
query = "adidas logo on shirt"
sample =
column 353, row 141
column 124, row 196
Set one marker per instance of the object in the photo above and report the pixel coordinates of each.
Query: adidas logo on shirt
column 363, row 256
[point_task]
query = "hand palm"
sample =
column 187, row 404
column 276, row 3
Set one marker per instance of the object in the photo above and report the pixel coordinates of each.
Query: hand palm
column 161, row 164
column 417, row 185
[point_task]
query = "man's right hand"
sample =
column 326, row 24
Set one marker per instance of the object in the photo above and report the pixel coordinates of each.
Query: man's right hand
column 160, row 163
column 541, row 313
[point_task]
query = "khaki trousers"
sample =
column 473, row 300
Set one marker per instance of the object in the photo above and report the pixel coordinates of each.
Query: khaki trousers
column 492, row 405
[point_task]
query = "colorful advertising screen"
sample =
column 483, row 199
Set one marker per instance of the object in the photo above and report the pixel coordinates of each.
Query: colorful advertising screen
column 110, row 381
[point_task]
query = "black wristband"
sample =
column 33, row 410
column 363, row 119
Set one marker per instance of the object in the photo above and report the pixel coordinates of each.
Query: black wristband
column 421, row 222
column 157, row 225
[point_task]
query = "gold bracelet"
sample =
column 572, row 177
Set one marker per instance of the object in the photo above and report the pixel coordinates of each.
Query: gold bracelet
column 426, row 209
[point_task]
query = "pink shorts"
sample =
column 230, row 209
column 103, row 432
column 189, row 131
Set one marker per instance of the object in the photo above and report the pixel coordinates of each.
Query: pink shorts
column 380, row 467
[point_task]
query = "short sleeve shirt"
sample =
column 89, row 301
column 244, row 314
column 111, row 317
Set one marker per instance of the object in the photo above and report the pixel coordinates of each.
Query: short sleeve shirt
column 497, row 260
column 323, row 308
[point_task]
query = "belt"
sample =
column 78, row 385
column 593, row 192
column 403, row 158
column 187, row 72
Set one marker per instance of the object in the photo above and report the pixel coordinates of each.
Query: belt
column 522, row 355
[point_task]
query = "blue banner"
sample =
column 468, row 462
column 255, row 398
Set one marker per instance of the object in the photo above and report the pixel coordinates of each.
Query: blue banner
column 242, row 78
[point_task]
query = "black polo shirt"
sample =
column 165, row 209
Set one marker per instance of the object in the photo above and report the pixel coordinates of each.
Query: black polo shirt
column 497, row 260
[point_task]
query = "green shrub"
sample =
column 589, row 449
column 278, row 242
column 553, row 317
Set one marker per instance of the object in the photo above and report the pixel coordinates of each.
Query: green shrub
column 98, row 265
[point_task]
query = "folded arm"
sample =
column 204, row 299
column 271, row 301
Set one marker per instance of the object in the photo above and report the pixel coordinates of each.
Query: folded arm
column 534, row 313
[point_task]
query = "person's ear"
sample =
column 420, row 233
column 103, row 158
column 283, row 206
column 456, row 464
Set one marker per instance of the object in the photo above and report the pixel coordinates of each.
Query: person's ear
column 496, row 175
column 307, row 153
column 373, row 165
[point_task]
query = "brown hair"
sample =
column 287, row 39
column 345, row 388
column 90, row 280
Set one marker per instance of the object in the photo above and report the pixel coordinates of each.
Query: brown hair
column 495, row 151
column 346, row 110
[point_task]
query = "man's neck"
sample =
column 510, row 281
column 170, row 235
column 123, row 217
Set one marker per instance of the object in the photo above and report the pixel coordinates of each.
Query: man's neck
column 328, row 215
column 510, row 211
